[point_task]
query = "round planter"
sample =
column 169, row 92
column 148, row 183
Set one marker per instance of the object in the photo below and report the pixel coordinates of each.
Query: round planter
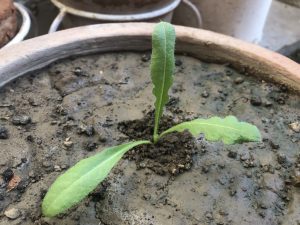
column 219, row 177
column 187, row 14
column 79, row 13
column 243, row 19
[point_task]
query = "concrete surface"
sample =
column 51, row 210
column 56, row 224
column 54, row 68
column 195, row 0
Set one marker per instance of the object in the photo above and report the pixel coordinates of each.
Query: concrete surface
column 282, row 26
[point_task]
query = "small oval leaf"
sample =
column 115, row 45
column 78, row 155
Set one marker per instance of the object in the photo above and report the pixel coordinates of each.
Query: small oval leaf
column 78, row 181
column 229, row 130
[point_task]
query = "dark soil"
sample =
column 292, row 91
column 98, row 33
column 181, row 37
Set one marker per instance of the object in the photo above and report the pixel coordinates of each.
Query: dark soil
column 52, row 118
column 171, row 154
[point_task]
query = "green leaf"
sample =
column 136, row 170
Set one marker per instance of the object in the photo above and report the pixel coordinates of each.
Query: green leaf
column 78, row 181
column 162, row 67
column 229, row 130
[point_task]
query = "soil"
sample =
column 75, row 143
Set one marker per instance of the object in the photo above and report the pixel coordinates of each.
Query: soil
column 171, row 154
column 52, row 118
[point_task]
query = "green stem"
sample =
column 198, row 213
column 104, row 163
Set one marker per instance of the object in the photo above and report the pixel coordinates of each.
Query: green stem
column 155, row 136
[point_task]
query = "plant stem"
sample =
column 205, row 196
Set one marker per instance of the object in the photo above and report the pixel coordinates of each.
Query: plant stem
column 155, row 135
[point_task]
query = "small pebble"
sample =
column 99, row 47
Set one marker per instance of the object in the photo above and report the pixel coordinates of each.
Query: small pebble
column 143, row 165
column 205, row 169
column 262, row 214
column 147, row 197
column 268, row 104
column 57, row 168
column 245, row 156
column 232, row 154
column 232, row 193
column 263, row 206
column 68, row 143
column 91, row 146
column 2, row 182
column 3, row 132
column 249, row 174
column 102, row 139
column 31, row 174
column 32, row 102
column 281, row 158
column 46, row 164
column 178, row 62
column 205, row 94
column 12, row 213
column 239, row 80
column 296, row 178
column 274, row 145
column 30, row 138
column 87, row 130
column 228, row 72
column 21, row 120
column 221, row 165
column 295, row 126
column 7, row 175
column 255, row 101
column 209, row 216
column 77, row 71
column 146, row 57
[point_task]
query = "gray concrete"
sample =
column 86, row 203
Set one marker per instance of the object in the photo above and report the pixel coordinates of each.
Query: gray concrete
column 282, row 26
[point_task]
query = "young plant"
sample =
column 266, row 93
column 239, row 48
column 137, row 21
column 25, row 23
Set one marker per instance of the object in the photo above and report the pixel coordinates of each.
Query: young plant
column 78, row 181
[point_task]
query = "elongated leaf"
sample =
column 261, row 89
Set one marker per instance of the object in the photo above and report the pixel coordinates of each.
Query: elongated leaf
column 162, row 67
column 229, row 130
column 78, row 181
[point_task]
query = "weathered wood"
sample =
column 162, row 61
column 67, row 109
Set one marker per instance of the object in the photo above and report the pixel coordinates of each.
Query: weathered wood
column 36, row 53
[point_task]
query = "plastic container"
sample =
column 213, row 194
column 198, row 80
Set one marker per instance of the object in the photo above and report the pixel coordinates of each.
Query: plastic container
column 243, row 19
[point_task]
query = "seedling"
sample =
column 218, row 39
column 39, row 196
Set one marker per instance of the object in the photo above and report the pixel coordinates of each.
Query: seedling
column 78, row 181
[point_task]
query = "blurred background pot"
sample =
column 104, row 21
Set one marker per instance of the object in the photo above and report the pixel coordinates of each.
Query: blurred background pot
column 187, row 14
column 16, row 26
column 85, row 12
column 24, row 23
column 8, row 21
column 243, row 19
column 292, row 2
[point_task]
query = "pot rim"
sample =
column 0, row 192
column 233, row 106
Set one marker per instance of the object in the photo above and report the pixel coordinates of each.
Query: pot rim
column 25, row 26
column 107, row 17
column 36, row 53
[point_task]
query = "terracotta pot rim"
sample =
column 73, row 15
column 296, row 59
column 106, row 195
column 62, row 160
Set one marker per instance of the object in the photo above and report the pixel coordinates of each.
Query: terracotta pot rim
column 39, row 52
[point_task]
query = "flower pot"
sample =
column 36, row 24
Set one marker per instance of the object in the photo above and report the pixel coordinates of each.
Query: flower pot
column 187, row 14
column 243, row 19
column 85, row 12
column 8, row 22
column 23, row 24
column 98, row 81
